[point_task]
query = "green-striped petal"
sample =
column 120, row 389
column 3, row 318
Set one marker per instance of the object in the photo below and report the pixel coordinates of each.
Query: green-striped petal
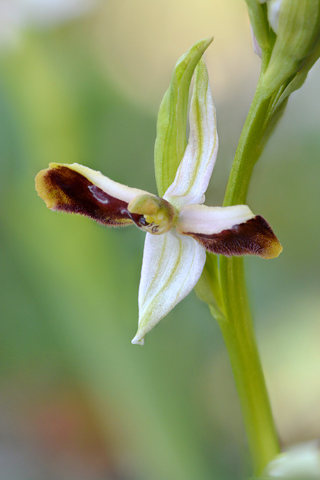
column 172, row 265
column 196, row 167
column 171, row 138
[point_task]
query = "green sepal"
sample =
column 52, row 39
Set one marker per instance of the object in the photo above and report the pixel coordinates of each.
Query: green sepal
column 171, row 138
column 208, row 288
column 259, row 22
column 298, row 32
column 300, row 77
column 279, row 99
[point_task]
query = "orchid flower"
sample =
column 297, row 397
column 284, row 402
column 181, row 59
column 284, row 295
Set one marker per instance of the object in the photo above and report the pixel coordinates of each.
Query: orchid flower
column 179, row 228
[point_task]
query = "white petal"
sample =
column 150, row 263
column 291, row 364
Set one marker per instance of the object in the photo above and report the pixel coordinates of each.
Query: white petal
column 196, row 167
column 211, row 220
column 114, row 189
column 274, row 7
column 172, row 265
column 299, row 462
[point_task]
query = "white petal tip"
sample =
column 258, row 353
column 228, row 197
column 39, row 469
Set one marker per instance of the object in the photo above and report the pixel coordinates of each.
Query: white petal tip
column 137, row 340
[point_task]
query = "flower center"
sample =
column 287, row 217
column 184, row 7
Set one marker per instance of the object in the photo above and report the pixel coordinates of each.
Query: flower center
column 157, row 215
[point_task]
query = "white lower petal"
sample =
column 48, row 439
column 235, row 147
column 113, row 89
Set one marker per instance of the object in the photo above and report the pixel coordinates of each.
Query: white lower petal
column 172, row 265
column 211, row 220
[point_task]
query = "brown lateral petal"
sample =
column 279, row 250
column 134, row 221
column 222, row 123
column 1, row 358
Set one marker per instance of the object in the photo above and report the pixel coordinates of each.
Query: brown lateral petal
column 253, row 237
column 66, row 190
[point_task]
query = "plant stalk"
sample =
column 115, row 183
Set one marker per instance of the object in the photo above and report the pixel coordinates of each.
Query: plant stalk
column 240, row 341
column 238, row 330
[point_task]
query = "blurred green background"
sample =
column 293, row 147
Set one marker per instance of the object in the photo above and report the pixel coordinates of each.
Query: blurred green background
column 81, row 82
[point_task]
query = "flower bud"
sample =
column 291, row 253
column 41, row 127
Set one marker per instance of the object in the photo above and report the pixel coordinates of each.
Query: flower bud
column 297, row 25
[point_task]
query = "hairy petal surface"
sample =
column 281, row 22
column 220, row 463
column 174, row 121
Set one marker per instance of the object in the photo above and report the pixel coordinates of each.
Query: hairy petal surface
column 172, row 265
column 195, row 169
column 229, row 230
column 77, row 189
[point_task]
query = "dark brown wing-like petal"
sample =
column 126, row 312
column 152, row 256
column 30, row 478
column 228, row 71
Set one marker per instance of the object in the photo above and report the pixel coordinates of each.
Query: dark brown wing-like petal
column 229, row 231
column 77, row 189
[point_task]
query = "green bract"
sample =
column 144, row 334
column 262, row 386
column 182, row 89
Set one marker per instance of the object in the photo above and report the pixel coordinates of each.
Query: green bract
column 259, row 22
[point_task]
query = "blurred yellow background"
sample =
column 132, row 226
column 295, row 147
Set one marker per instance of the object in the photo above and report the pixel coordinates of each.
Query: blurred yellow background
column 81, row 81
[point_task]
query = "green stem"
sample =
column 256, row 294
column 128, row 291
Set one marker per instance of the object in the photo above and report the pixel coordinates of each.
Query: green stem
column 248, row 152
column 238, row 330
column 244, row 357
